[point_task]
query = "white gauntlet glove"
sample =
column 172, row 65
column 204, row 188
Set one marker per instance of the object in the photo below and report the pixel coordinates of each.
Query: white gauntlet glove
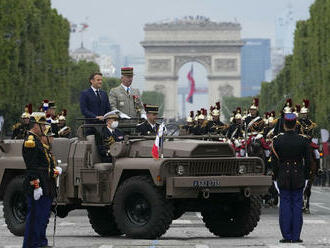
column 276, row 187
column 37, row 193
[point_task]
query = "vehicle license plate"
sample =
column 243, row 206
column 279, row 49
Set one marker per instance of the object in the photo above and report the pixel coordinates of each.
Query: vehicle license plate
column 206, row 183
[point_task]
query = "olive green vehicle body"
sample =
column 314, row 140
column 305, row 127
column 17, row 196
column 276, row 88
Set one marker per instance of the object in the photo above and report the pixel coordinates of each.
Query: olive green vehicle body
column 208, row 168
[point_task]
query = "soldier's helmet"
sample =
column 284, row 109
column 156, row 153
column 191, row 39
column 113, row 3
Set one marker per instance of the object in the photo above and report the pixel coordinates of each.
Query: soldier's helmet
column 62, row 116
column 272, row 116
column 27, row 111
column 190, row 118
column 216, row 110
column 39, row 117
column 255, row 104
column 288, row 106
column 304, row 109
column 201, row 115
column 238, row 114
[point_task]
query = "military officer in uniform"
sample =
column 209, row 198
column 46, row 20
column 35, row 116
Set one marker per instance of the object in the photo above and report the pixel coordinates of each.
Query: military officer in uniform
column 291, row 167
column 235, row 130
column 20, row 129
column 125, row 98
column 150, row 126
column 254, row 123
column 109, row 135
column 63, row 129
column 279, row 123
column 39, row 184
column 216, row 126
column 189, row 123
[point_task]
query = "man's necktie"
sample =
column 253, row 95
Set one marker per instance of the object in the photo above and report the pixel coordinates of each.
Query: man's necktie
column 127, row 90
column 98, row 95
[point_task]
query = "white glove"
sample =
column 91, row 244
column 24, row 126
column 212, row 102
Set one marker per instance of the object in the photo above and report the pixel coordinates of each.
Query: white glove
column 306, row 182
column 59, row 169
column 276, row 187
column 144, row 116
column 37, row 193
column 259, row 136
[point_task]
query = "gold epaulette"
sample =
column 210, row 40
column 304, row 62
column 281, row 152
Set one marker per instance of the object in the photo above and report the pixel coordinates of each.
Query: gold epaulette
column 313, row 125
column 275, row 121
column 17, row 125
column 30, row 143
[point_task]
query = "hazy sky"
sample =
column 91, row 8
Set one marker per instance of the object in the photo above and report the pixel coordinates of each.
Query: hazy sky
column 123, row 21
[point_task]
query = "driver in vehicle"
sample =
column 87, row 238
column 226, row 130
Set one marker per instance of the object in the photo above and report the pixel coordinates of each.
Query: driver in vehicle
column 150, row 126
column 109, row 135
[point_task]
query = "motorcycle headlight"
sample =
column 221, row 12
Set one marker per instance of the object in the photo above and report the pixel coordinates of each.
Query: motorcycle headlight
column 242, row 169
column 180, row 170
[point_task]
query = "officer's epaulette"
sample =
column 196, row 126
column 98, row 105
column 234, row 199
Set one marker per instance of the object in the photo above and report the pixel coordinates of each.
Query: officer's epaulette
column 30, row 143
column 139, row 124
column 275, row 121
column 17, row 125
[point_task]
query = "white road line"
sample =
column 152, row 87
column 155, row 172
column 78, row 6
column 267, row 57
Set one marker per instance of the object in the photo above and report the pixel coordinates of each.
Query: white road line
column 67, row 224
column 105, row 246
column 314, row 221
column 319, row 204
column 286, row 246
column 12, row 246
column 182, row 222
column 201, row 246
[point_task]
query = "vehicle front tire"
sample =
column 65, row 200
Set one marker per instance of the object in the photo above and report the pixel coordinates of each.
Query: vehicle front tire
column 15, row 206
column 102, row 221
column 235, row 219
column 141, row 210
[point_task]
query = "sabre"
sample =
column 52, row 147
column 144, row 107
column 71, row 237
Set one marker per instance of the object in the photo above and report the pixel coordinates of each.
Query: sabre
column 245, row 137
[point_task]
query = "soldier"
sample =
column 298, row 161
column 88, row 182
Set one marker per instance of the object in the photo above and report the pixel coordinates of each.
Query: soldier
column 235, row 130
column 110, row 134
column 49, row 107
column 254, row 123
column 150, row 126
column 20, row 129
column 64, row 130
column 200, row 127
column 290, row 159
column 189, row 123
column 125, row 98
column 216, row 126
column 39, row 184
column 279, row 123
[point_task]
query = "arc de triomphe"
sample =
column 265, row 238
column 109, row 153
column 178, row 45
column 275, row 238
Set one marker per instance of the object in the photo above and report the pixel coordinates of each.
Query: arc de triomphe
column 169, row 45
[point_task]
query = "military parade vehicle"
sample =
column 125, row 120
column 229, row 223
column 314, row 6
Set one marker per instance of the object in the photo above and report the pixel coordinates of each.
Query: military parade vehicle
column 139, row 196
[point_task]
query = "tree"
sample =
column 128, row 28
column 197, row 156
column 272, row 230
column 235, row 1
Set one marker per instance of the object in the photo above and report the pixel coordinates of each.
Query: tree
column 154, row 98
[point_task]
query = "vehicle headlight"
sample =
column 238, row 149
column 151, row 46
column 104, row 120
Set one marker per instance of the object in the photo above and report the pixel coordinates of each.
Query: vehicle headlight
column 242, row 169
column 180, row 170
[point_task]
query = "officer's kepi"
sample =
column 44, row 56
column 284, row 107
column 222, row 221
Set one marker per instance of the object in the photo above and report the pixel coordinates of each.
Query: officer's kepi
column 290, row 118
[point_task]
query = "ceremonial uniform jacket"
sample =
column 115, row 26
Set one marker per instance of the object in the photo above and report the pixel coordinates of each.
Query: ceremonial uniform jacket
column 19, row 131
column 216, row 127
column 106, row 140
column 128, row 103
column 146, row 129
column 306, row 127
column 291, row 160
column 254, row 124
column 235, row 131
column 199, row 130
column 40, row 164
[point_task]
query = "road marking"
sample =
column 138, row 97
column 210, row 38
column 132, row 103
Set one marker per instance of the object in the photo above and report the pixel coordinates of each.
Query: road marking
column 201, row 246
column 12, row 246
column 67, row 224
column 105, row 246
column 319, row 204
column 286, row 246
column 182, row 222
column 314, row 221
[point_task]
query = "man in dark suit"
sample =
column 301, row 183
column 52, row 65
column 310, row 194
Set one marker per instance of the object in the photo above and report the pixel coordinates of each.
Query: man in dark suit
column 149, row 127
column 94, row 102
column 110, row 134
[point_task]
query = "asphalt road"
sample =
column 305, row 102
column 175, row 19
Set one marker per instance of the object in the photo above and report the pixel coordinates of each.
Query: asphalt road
column 189, row 231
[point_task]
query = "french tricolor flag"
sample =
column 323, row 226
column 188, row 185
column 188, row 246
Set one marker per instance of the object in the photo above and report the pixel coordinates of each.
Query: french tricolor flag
column 158, row 141
column 192, row 85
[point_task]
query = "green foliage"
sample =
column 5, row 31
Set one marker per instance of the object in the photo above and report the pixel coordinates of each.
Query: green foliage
column 109, row 83
column 156, row 98
column 230, row 103
column 35, row 62
column 306, row 73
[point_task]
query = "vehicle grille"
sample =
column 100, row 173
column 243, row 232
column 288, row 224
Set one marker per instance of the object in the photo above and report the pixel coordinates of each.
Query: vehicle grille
column 216, row 167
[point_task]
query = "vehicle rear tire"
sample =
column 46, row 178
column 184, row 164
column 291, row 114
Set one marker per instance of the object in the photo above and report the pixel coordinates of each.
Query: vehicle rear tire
column 15, row 206
column 141, row 210
column 102, row 221
column 234, row 219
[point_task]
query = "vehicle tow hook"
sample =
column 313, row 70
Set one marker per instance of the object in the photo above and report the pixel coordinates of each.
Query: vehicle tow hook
column 206, row 194
column 247, row 192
